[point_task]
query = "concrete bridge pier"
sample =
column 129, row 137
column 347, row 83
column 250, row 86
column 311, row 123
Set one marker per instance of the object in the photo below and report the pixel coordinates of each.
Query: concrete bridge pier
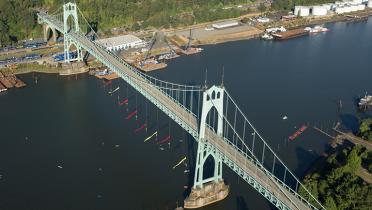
column 212, row 189
column 46, row 29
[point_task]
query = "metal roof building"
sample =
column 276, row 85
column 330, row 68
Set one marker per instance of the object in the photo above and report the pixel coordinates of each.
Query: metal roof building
column 122, row 42
column 225, row 24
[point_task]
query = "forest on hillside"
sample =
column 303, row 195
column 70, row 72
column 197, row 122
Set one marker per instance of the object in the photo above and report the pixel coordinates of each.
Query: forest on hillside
column 18, row 17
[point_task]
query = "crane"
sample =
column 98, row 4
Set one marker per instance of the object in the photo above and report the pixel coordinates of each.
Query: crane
column 150, row 46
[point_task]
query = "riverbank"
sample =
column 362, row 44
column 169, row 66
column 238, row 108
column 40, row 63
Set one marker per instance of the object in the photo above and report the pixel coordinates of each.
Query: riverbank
column 311, row 20
column 32, row 68
column 254, row 31
column 341, row 166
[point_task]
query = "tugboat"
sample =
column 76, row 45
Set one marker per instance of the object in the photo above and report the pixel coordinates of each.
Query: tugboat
column 316, row 29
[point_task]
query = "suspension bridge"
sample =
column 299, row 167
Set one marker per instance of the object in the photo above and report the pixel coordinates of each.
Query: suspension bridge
column 208, row 114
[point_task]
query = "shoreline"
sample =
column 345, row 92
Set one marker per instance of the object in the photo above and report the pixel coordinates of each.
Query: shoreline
column 298, row 23
column 255, row 32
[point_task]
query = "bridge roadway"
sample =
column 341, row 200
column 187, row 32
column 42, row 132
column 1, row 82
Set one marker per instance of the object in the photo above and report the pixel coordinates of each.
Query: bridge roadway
column 188, row 121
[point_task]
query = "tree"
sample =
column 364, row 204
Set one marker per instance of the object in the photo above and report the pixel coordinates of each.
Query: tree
column 330, row 203
column 135, row 27
column 262, row 7
column 354, row 160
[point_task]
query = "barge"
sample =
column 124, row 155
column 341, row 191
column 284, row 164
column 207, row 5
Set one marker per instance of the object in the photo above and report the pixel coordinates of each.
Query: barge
column 290, row 34
column 2, row 88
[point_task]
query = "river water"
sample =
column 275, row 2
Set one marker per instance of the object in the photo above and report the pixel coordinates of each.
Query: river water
column 65, row 144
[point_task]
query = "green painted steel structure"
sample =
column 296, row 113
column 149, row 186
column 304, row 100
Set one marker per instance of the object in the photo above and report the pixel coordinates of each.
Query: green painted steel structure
column 226, row 145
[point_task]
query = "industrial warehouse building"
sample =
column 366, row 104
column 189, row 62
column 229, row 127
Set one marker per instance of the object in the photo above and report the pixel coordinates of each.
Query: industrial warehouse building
column 122, row 42
column 339, row 7
column 225, row 24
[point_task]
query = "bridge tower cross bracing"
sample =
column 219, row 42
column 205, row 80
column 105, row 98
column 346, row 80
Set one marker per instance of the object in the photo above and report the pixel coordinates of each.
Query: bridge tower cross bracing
column 71, row 10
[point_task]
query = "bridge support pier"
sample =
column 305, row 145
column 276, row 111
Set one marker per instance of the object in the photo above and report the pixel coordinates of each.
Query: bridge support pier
column 212, row 189
column 46, row 29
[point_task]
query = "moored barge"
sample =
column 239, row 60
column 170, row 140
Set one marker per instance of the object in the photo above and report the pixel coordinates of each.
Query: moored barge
column 290, row 34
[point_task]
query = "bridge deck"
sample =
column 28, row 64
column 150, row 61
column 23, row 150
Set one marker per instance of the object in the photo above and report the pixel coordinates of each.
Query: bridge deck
column 268, row 182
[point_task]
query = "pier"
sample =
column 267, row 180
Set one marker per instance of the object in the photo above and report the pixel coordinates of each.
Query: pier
column 353, row 139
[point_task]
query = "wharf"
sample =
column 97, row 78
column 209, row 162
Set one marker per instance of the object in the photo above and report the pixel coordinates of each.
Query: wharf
column 353, row 139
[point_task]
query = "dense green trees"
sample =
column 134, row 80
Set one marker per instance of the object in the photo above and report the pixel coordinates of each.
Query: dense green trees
column 17, row 17
column 337, row 185
column 365, row 129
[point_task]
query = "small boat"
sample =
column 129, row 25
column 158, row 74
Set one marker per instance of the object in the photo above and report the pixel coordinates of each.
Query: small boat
column 267, row 36
column 140, row 128
column 116, row 89
column 298, row 132
column 125, row 101
column 165, row 139
column 316, row 29
column 59, row 166
column 117, row 146
column 186, row 171
column 152, row 135
column 180, row 162
column 285, row 117
column 130, row 115
column 161, row 148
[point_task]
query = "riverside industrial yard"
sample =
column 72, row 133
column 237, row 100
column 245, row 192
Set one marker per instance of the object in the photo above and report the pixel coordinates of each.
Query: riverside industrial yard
column 269, row 110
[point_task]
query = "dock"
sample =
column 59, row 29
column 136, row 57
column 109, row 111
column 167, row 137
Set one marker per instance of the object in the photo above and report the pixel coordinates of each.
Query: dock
column 342, row 136
column 323, row 132
column 353, row 139
column 356, row 18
